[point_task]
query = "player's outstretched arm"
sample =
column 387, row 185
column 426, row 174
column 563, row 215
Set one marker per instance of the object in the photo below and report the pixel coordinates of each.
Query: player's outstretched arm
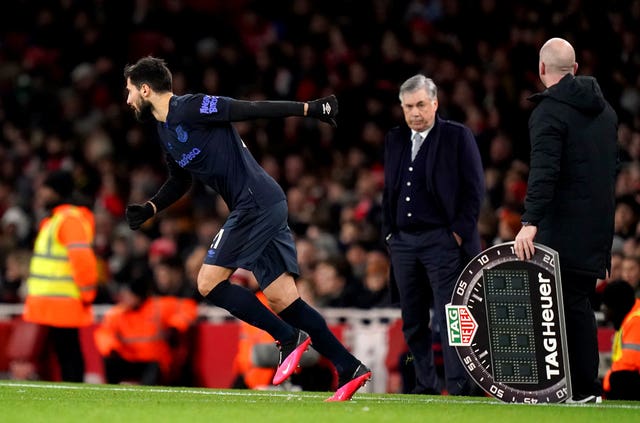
column 324, row 109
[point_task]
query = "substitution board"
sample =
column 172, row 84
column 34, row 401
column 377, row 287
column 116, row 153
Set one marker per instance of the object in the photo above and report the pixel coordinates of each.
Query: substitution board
column 506, row 322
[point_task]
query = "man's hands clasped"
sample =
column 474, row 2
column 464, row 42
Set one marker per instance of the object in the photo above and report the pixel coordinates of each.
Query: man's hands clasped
column 137, row 214
column 324, row 109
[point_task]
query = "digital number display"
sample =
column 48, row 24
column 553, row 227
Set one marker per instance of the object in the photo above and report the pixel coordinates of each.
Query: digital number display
column 510, row 325
column 506, row 322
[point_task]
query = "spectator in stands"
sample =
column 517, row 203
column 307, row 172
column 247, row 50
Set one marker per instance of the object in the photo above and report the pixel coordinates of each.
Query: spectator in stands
column 630, row 271
column 15, row 227
column 141, row 338
column 616, row 265
column 333, row 285
column 160, row 249
column 375, row 282
column 132, row 251
column 356, row 255
column 307, row 256
column 170, row 279
column 508, row 225
column 622, row 310
column 12, row 285
column 626, row 217
column 614, row 274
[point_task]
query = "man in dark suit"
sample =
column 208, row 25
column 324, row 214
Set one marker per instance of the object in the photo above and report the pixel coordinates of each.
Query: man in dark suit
column 570, row 203
column 434, row 187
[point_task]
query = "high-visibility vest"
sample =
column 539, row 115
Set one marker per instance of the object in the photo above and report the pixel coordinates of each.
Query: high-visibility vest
column 53, row 297
column 139, row 335
column 625, row 352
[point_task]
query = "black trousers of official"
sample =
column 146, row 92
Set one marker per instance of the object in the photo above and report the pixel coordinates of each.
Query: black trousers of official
column 66, row 344
column 426, row 266
column 582, row 333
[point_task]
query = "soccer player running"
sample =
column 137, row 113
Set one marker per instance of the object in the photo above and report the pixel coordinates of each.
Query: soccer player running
column 199, row 140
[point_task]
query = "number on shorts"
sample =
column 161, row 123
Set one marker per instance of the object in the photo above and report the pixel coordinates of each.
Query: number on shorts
column 216, row 239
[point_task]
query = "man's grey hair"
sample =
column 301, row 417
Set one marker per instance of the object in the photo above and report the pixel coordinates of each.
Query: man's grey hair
column 419, row 82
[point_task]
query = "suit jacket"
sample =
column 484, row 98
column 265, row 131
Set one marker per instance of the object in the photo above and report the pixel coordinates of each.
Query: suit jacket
column 454, row 176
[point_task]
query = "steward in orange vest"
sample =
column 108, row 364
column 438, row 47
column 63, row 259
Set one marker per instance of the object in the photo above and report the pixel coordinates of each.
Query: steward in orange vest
column 63, row 273
column 138, row 336
column 622, row 381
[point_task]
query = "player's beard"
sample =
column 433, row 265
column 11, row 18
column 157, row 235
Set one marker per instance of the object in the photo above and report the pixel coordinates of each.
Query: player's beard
column 144, row 112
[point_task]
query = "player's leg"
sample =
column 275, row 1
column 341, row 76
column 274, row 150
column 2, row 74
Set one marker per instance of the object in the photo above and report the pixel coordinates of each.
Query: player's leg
column 352, row 374
column 210, row 276
column 239, row 243
column 213, row 284
column 290, row 352
column 274, row 270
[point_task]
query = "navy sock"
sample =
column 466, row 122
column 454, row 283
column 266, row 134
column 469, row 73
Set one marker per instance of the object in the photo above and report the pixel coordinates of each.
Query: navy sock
column 303, row 316
column 244, row 305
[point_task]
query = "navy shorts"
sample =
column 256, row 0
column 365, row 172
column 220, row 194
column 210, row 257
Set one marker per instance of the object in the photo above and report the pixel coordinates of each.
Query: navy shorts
column 258, row 240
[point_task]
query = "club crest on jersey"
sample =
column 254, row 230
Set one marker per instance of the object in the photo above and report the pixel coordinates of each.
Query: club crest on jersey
column 182, row 135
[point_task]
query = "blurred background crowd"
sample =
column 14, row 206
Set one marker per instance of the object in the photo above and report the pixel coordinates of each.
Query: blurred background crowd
column 62, row 106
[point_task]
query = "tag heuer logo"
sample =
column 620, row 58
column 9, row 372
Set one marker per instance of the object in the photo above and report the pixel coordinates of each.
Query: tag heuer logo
column 461, row 326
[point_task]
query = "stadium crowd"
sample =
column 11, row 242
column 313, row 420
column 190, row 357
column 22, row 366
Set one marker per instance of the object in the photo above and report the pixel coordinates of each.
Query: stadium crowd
column 62, row 106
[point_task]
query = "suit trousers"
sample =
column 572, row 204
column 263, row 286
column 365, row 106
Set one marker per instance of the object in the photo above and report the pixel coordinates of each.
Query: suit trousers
column 426, row 266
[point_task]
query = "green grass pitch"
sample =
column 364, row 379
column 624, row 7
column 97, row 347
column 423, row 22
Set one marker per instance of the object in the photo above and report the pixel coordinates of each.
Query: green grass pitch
column 63, row 402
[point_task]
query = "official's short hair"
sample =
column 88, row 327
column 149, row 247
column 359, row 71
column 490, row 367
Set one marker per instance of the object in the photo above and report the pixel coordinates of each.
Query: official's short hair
column 418, row 82
column 152, row 71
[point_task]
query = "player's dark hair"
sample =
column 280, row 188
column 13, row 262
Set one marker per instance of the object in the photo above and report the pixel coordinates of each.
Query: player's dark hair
column 152, row 71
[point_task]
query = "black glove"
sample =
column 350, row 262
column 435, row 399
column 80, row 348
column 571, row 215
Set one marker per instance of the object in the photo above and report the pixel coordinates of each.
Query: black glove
column 137, row 214
column 325, row 109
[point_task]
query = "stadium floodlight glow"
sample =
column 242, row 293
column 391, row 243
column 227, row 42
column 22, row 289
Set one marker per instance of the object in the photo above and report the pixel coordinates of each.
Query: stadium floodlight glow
column 506, row 322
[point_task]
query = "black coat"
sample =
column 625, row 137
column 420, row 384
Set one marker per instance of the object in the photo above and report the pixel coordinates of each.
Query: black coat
column 570, row 195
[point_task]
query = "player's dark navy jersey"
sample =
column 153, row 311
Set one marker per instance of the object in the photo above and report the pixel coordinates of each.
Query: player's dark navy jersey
column 198, row 135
